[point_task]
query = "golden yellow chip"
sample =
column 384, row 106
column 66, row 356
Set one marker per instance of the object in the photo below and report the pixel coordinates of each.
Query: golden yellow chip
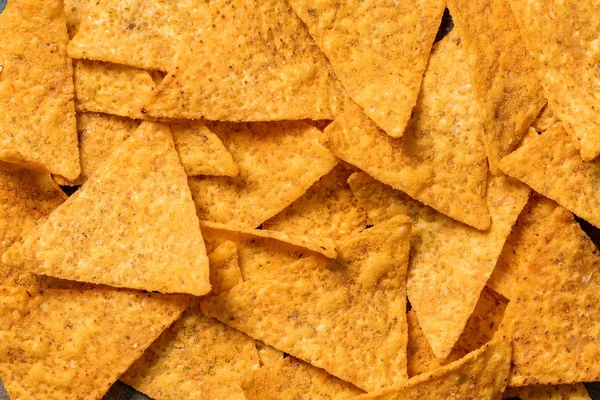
column 549, row 392
column 480, row 329
column 139, row 228
column 556, row 312
column 552, row 166
column 327, row 210
column 503, row 73
column 450, row 262
column 347, row 316
column 278, row 162
column 292, row 379
column 520, row 246
column 224, row 268
column 441, row 159
column 267, row 354
column 378, row 49
column 563, row 39
column 37, row 121
column 545, row 120
column 479, row 375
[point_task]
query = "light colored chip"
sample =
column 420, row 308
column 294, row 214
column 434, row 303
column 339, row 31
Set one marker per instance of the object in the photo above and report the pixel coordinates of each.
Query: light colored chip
column 327, row 210
column 201, row 152
column 551, row 165
column 278, row 162
column 545, row 120
column 520, row 246
column 479, row 375
column 347, row 316
column 555, row 315
column 224, row 268
column 441, row 158
column 292, row 379
column 37, row 121
column 563, row 38
column 549, row 392
column 111, row 88
column 450, row 262
column 267, row 354
column 378, row 49
column 502, row 71
column 140, row 228
column 480, row 329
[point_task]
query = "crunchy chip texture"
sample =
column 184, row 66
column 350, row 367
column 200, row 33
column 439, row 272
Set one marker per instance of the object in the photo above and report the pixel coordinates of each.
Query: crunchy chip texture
column 441, row 159
column 347, row 316
column 378, row 49
column 267, row 354
column 545, row 120
column 555, row 316
column 480, row 329
column 445, row 274
column 479, row 375
column 37, row 122
column 292, row 379
column 563, row 39
column 328, row 209
column 278, row 162
column 551, row 165
column 549, row 392
column 140, row 228
column 502, row 71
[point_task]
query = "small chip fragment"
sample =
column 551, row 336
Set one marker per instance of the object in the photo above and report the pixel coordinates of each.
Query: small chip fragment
column 441, row 159
column 292, row 379
column 37, row 121
column 347, row 316
column 503, row 73
column 551, row 165
column 450, row 262
column 140, row 228
column 267, row 354
column 378, row 49
column 549, row 392
column 278, row 162
column 545, row 120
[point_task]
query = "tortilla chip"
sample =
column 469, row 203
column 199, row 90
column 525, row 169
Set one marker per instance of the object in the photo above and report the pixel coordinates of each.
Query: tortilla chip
column 441, row 158
column 111, row 88
column 520, row 246
column 267, row 354
column 140, row 228
column 37, row 122
column 545, row 120
column 563, row 40
column 480, row 329
column 347, row 316
column 551, row 165
column 292, row 379
column 327, row 210
column 446, row 275
column 379, row 51
column 502, row 71
column 278, row 162
column 555, row 315
column 201, row 152
column 548, row 392
column 479, row 375
column 224, row 268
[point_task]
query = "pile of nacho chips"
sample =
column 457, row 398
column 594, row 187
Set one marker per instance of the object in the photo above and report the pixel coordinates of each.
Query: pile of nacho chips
column 298, row 199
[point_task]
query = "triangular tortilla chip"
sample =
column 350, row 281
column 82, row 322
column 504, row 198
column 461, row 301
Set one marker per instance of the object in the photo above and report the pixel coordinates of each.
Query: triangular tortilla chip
column 479, row 375
column 480, row 329
column 379, row 51
column 278, row 162
column 551, row 165
column 556, row 313
column 450, row 262
column 563, row 39
column 502, row 72
column 441, row 158
column 37, row 121
column 550, row 392
column 327, row 210
column 132, row 224
column 347, row 316
column 520, row 246
column 292, row 379
column 545, row 120
column 199, row 357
